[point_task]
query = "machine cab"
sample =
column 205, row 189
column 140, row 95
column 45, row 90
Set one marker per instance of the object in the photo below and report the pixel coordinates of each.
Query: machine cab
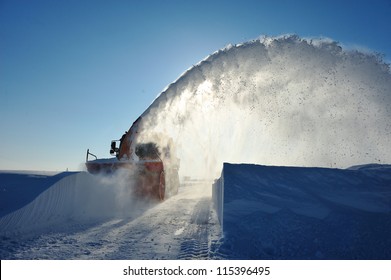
column 114, row 150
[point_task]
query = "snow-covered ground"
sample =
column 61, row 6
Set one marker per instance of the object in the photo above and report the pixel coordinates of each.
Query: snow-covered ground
column 268, row 213
column 81, row 217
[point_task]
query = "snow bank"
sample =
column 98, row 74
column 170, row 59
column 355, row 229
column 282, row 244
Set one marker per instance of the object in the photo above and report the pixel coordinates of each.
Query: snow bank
column 294, row 212
column 18, row 188
column 277, row 101
column 78, row 198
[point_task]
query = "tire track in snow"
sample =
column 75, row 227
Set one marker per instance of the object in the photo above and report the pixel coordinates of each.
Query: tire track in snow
column 195, row 245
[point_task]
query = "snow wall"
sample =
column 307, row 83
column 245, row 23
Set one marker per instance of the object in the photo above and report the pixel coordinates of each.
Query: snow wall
column 283, row 101
column 18, row 189
column 272, row 212
column 80, row 198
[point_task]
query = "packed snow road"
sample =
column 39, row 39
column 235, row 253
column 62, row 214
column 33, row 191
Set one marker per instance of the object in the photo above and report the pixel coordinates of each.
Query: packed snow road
column 183, row 227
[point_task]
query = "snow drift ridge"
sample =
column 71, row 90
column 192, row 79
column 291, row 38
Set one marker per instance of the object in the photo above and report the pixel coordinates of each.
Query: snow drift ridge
column 77, row 198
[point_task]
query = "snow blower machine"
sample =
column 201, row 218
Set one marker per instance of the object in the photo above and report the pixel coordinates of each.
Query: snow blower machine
column 153, row 173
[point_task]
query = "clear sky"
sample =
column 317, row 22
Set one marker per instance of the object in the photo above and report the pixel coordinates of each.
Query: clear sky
column 75, row 74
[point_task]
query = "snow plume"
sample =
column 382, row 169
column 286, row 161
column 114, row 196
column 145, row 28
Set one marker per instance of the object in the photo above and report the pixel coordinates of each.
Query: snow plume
column 277, row 101
column 77, row 198
column 108, row 196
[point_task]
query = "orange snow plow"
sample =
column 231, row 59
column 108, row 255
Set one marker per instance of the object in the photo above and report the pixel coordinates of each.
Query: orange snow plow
column 153, row 174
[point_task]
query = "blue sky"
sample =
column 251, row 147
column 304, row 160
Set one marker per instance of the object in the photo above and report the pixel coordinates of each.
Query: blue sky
column 76, row 74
